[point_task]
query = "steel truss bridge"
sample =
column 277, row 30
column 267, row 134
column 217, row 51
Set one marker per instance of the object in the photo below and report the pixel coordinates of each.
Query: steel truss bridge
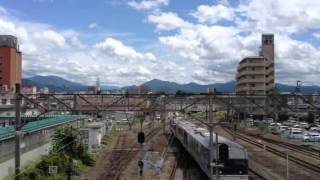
column 97, row 104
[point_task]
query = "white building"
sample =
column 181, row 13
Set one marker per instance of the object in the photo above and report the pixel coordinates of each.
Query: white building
column 92, row 134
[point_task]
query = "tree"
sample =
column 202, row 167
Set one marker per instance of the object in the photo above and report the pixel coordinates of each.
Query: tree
column 66, row 141
column 310, row 118
column 283, row 117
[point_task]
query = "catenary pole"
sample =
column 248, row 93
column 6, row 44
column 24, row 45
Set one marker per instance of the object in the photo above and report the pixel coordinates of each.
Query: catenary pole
column 18, row 132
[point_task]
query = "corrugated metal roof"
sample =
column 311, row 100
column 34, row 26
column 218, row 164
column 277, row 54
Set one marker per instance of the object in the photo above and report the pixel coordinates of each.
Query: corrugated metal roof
column 9, row 132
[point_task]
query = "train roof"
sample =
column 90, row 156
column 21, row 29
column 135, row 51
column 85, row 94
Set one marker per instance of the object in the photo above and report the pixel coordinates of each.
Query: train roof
column 202, row 134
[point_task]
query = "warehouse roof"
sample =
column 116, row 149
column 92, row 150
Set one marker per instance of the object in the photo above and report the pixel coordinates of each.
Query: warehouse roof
column 9, row 132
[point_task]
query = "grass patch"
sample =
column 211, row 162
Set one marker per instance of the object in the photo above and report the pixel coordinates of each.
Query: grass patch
column 109, row 136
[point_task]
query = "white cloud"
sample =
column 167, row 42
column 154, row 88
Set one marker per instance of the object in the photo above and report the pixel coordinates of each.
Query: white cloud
column 215, row 50
column 205, row 51
column 50, row 51
column 213, row 14
column 168, row 21
column 113, row 47
column 50, row 38
column 148, row 4
column 316, row 35
column 92, row 26
column 279, row 15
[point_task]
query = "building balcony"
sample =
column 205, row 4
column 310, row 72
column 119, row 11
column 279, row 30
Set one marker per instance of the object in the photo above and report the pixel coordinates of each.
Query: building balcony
column 248, row 88
column 250, row 72
column 249, row 64
column 250, row 80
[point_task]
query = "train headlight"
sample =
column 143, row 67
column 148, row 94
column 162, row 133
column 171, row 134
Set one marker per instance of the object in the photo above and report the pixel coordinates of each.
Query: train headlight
column 240, row 172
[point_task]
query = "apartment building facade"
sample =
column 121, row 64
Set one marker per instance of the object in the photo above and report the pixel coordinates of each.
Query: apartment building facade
column 255, row 74
column 10, row 63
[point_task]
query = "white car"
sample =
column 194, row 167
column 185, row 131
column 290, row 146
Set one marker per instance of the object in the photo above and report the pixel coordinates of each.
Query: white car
column 311, row 137
column 282, row 128
column 315, row 129
column 304, row 125
column 296, row 133
column 269, row 120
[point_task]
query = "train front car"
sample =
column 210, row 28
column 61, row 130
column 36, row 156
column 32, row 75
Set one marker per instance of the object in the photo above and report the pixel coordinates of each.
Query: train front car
column 232, row 157
column 234, row 160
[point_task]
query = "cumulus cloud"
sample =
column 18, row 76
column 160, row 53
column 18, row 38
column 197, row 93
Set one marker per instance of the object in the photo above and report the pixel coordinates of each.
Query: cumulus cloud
column 316, row 35
column 216, row 49
column 113, row 47
column 92, row 26
column 50, row 51
column 203, row 51
column 279, row 16
column 148, row 4
column 213, row 14
column 168, row 21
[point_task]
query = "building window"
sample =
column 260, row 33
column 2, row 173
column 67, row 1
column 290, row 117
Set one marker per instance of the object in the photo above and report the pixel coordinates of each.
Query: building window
column 253, row 69
column 267, row 76
column 267, row 68
column 253, row 77
column 267, row 84
column 252, row 85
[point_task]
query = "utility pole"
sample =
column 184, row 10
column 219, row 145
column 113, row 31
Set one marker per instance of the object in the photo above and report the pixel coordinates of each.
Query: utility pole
column 296, row 100
column 163, row 116
column 211, row 137
column 217, row 157
column 18, row 132
column 287, row 163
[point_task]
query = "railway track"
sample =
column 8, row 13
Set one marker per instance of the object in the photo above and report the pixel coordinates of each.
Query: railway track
column 277, row 152
column 173, row 171
column 121, row 156
column 253, row 175
column 297, row 148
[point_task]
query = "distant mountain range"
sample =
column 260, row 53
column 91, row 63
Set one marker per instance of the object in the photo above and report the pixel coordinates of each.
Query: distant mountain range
column 58, row 84
column 172, row 87
column 54, row 83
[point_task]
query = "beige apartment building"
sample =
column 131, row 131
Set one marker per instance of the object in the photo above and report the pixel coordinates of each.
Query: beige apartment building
column 255, row 74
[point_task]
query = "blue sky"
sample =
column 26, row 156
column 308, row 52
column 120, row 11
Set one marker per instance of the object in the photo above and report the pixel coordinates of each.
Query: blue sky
column 131, row 41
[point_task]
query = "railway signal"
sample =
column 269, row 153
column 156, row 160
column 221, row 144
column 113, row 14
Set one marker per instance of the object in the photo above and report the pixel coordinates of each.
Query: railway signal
column 141, row 137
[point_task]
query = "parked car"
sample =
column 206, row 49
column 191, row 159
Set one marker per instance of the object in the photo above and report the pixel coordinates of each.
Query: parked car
column 295, row 133
column 249, row 121
column 269, row 120
column 311, row 137
column 282, row 128
column 296, row 126
column 315, row 129
column 304, row 124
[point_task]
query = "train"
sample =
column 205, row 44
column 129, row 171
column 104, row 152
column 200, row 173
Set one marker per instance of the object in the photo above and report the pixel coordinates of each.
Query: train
column 232, row 157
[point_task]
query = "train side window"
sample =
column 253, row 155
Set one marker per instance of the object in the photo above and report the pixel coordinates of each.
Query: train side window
column 223, row 152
